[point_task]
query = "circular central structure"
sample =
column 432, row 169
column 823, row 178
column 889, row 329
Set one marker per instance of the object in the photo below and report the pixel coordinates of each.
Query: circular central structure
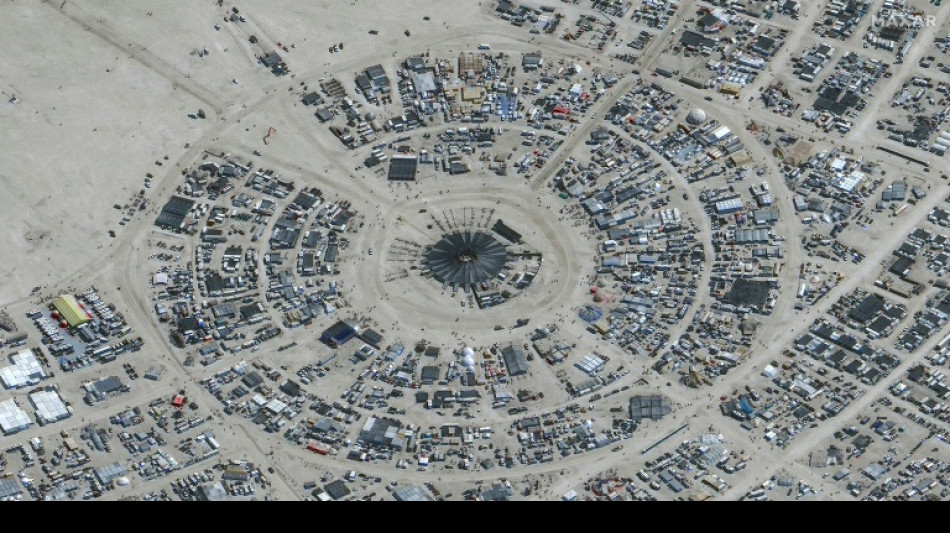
column 465, row 259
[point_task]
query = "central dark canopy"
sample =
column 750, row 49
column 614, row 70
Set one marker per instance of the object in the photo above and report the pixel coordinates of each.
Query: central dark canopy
column 466, row 258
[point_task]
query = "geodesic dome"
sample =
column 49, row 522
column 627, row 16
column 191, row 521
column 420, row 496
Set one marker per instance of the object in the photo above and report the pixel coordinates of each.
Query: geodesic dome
column 696, row 117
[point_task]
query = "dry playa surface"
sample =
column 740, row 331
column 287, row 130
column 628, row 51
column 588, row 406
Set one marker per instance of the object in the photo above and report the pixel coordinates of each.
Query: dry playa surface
column 89, row 124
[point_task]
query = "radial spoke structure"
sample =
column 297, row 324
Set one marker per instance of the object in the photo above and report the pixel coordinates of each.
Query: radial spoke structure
column 465, row 259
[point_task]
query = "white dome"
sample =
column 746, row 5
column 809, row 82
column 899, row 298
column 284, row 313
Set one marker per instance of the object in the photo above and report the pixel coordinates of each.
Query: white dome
column 468, row 358
column 696, row 117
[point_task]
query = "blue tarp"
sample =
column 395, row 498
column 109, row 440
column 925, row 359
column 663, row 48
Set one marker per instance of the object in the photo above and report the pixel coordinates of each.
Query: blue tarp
column 745, row 406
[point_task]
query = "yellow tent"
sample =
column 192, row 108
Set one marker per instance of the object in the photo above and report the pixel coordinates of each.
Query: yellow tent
column 731, row 88
column 70, row 311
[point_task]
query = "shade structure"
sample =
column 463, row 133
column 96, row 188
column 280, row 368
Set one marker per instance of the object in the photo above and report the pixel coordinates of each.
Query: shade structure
column 590, row 314
column 466, row 258
column 71, row 311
